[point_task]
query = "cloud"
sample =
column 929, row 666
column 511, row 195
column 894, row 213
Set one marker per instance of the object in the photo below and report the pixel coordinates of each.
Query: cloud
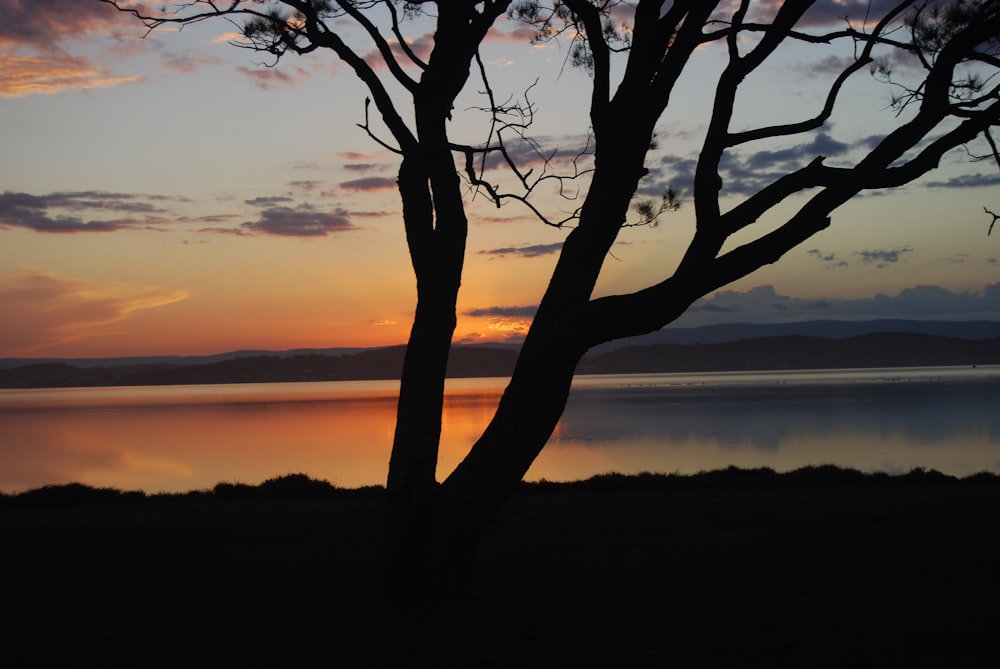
column 302, row 221
column 882, row 257
column 825, row 257
column 362, row 167
column 59, row 212
column 825, row 13
column 968, row 181
column 308, row 185
column 747, row 172
column 526, row 311
column 42, row 309
column 550, row 153
column 369, row 184
column 505, row 324
column 763, row 304
column 188, row 61
column 384, row 322
column 508, row 329
column 420, row 46
column 521, row 34
column 44, row 25
column 268, row 201
column 271, row 78
column 29, row 75
column 532, row 251
column 33, row 58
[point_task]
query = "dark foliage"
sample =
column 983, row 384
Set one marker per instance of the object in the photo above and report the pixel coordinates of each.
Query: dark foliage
column 302, row 487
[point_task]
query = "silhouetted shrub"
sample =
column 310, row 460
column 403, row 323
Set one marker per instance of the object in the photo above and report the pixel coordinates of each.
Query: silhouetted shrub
column 234, row 491
column 827, row 475
column 921, row 476
column 296, row 486
column 982, row 478
column 77, row 494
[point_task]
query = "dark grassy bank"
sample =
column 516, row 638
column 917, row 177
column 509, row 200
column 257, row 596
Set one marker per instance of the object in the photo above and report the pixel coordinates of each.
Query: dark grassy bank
column 821, row 567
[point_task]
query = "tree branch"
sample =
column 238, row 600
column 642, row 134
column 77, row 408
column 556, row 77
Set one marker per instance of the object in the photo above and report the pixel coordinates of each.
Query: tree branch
column 601, row 93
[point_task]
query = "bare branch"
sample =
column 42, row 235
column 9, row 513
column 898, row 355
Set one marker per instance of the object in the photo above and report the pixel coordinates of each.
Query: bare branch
column 995, row 217
column 862, row 59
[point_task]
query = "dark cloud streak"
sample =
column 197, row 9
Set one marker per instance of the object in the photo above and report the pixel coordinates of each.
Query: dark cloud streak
column 532, row 251
column 525, row 311
column 302, row 221
column 48, row 213
column 369, row 184
column 882, row 257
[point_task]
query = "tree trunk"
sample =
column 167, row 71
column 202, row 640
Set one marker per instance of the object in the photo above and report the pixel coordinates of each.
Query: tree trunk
column 436, row 236
column 536, row 396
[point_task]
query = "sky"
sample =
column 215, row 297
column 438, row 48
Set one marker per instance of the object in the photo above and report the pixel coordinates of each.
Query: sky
column 171, row 193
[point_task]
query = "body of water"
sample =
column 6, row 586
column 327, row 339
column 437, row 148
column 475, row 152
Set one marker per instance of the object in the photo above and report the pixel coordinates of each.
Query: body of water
column 179, row 438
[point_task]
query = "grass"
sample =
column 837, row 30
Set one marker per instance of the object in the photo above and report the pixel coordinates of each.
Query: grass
column 821, row 567
column 302, row 486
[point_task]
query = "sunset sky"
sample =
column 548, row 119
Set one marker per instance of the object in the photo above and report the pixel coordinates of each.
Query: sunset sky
column 174, row 195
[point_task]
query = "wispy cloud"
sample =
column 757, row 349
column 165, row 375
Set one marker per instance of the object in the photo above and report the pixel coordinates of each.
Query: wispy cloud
column 44, row 25
column 553, row 154
column 307, row 185
column 271, row 78
column 188, row 61
column 978, row 180
column 523, row 311
column 363, row 167
column 420, row 47
column 43, row 309
column 879, row 257
column 882, row 257
column 506, row 324
column 830, row 259
column 22, row 75
column 369, row 184
column 301, row 221
column 61, row 212
column 825, row 13
column 33, row 57
column 745, row 173
column 532, row 251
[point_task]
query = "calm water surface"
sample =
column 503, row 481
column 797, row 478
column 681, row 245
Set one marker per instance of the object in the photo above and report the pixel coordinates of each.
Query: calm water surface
column 178, row 438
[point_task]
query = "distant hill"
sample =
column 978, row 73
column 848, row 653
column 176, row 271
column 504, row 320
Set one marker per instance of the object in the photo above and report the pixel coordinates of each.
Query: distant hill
column 708, row 334
column 715, row 334
column 366, row 364
column 7, row 363
column 878, row 349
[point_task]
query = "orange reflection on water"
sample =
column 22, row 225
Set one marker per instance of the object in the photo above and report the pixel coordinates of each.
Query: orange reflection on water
column 185, row 448
column 191, row 437
column 179, row 441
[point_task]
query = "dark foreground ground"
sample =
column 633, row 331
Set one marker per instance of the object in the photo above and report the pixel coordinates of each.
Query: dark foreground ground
column 736, row 571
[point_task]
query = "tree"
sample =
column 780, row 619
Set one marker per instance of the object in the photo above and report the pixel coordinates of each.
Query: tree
column 635, row 53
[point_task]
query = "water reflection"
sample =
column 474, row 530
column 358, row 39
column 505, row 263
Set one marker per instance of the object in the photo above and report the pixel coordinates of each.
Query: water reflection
column 190, row 437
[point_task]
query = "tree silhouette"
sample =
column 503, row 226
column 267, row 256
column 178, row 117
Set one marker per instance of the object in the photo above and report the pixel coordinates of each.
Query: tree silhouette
column 635, row 53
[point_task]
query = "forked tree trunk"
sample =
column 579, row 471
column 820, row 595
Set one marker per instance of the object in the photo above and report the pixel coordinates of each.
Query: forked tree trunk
column 436, row 235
